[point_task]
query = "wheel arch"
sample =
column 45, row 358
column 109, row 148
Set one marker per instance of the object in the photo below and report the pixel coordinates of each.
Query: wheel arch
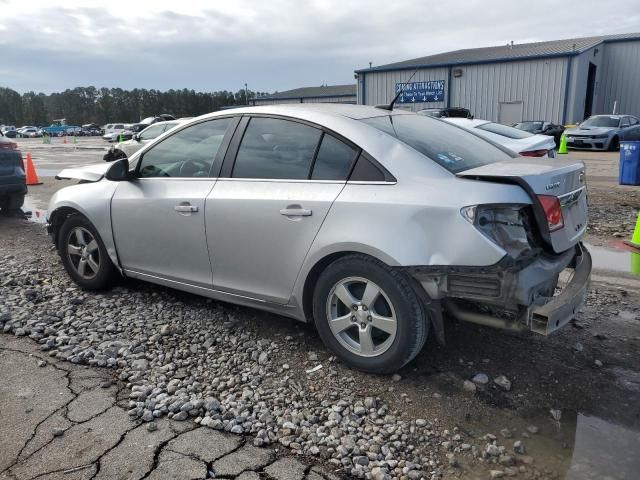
column 64, row 211
column 320, row 263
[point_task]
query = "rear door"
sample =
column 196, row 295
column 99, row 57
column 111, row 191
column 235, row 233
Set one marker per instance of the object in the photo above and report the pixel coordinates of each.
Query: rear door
column 158, row 218
column 278, row 183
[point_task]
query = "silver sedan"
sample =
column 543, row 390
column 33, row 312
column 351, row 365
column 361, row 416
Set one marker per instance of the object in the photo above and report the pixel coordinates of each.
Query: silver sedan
column 368, row 222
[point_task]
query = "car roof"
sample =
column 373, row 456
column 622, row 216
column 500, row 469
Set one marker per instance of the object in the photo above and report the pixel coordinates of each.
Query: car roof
column 355, row 112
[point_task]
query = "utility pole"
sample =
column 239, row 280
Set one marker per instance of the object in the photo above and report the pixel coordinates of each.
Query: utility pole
column 246, row 93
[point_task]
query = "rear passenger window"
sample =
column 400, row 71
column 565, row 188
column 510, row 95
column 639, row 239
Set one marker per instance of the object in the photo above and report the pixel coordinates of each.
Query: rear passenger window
column 274, row 148
column 334, row 160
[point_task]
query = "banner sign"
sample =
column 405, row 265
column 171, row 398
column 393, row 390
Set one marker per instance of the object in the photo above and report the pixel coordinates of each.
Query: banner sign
column 431, row 91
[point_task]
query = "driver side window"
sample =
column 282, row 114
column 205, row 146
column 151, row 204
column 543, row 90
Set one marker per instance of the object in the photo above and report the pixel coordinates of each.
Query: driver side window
column 188, row 153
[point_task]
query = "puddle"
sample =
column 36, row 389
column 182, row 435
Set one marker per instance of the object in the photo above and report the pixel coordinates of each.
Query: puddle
column 604, row 450
column 43, row 172
column 614, row 259
column 572, row 445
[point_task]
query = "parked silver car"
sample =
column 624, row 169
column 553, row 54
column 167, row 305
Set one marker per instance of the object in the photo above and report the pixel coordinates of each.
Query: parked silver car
column 366, row 221
column 603, row 132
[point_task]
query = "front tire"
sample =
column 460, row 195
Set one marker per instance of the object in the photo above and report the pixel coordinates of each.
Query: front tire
column 369, row 314
column 614, row 145
column 84, row 255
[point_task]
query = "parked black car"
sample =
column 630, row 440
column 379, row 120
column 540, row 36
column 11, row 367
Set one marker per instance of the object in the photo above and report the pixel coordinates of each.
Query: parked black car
column 449, row 112
column 13, row 185
column 91, row 130
column 542, row 127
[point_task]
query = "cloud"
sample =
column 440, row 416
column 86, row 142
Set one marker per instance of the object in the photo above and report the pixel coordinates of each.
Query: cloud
column 272, row 45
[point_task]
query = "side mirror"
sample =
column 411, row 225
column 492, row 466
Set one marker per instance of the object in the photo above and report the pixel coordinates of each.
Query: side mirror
column 136, row 137
column 119, row 171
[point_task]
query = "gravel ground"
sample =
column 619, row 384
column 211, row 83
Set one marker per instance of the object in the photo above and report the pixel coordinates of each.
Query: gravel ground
column 250, row 373
column 465, row 410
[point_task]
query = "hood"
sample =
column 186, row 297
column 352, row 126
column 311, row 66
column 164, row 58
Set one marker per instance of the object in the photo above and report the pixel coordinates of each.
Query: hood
column 88, row 173
column 590, row 130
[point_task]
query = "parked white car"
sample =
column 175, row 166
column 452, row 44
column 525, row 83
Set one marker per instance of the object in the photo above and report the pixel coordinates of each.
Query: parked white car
column 523, row 143
column 129, row 147
column 111, row 134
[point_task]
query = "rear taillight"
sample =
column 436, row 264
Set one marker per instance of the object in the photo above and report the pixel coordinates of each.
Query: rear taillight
column 552, row 211
column 22, row 163
column 534, row 153
column 9, row 145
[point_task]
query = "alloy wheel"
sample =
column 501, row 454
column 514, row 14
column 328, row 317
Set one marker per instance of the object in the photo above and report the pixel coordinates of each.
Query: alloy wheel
column 361, row 317
column 83, row 252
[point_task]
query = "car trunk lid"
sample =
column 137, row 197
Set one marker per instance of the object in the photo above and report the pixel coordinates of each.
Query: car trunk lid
column 564, row 180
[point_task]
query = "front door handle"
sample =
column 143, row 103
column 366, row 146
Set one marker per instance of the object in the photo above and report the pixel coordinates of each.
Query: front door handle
column 185, row 208
column 295, row 212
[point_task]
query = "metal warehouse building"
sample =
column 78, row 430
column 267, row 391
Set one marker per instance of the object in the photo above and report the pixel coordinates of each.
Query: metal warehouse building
column 323, row 94
column 561, row 81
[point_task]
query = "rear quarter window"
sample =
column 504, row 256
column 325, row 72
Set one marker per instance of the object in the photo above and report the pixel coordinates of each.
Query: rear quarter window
column 448, row 145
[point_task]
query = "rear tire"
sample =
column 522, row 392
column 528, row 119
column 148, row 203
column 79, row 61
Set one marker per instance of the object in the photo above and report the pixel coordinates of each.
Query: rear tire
column 379, row 296
column 84, row 255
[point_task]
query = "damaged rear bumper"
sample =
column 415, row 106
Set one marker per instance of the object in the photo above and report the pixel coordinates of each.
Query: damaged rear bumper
column 518, row 296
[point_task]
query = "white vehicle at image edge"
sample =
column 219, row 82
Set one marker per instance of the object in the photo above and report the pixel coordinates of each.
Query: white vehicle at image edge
column 139, row 140
column 524, row 143
column 368, row 222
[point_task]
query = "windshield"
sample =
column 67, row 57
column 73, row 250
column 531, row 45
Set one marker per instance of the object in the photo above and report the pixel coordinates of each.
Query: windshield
column 449, row 146
column 601, row 121
column 531, row 127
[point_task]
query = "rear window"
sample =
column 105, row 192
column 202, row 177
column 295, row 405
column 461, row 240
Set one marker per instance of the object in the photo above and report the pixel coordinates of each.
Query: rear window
column 450, row 146
column 529, row 126
column 503, row 130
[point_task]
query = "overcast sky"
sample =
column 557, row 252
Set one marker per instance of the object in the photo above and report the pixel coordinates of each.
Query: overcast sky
column 271, row 44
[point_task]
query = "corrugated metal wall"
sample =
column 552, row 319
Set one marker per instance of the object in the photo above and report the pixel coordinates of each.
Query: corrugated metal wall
column 620, row 79
column 538, row 84
column 266, row 101
column 380, row 87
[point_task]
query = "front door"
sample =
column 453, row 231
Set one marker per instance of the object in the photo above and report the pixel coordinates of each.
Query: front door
column 158, row 218
column 262, row 220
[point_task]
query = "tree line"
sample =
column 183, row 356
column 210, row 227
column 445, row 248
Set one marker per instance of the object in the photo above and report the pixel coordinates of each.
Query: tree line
column 84, row 105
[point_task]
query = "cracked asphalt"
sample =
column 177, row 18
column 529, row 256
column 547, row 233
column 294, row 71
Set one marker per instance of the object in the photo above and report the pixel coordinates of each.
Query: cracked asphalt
column 66, row 421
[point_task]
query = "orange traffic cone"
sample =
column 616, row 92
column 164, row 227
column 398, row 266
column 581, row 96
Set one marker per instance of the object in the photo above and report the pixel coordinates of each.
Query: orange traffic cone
column 32, row 176
column 64, row 139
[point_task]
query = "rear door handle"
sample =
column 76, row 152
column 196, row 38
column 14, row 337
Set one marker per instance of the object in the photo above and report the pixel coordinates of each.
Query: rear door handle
column 185, row 208
column 295, row 212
